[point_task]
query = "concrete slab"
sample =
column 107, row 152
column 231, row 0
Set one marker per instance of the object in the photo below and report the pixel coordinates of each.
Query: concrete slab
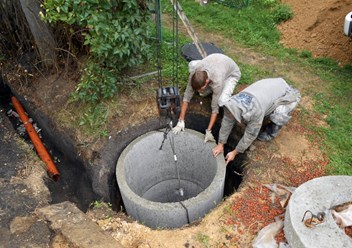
column 318, row 195
column 73, row 224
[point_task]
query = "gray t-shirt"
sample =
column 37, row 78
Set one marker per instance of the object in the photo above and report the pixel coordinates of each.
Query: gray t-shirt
column 219, row 68
column 251, row 105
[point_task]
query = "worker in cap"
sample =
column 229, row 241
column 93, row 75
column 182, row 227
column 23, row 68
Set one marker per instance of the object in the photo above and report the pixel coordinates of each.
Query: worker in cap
column 216, row 74
column 269, row 98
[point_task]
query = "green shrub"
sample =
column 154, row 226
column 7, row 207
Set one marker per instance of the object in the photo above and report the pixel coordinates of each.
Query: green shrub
column 96, row 82
column 305, row 54
column 117, row 34
column 281, row 13
column 326, row 62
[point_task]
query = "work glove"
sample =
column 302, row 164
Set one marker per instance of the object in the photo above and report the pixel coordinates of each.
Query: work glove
column 179, row 127
column 208, row 136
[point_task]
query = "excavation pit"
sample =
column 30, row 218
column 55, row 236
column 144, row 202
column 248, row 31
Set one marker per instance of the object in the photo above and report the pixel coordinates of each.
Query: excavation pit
column 150, row 180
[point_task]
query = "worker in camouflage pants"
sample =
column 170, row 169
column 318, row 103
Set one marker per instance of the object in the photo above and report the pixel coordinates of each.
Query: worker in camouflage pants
column 272, row 98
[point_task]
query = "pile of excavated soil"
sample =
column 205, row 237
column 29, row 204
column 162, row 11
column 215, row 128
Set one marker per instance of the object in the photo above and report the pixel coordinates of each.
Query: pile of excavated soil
column 317, row 26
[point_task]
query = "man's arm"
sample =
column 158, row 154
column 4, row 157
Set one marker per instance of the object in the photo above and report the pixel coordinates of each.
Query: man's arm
column 212, row 121
column 186, row 99
column 227, row 124
column 189, row 92
column 231, row 156
column 180, row 126
column 250, row 134
column 208, row 134
column 229, row 86
column 183, row 110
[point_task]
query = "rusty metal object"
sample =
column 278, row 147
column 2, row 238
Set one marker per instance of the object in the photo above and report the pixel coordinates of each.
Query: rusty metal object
column 314, row 220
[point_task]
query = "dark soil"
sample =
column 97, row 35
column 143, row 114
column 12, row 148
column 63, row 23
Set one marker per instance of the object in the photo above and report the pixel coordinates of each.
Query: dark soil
column 21, row 193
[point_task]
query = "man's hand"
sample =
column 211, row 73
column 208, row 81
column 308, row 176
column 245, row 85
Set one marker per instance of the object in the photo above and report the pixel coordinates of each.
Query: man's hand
column 179, row 127
column 208, row 136
column 231, row 156
column 218, row 149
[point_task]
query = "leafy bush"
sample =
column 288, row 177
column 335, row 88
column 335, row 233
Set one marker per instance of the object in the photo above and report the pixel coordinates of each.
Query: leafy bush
column 117, row 34
column 282, row 12
column 96, row 82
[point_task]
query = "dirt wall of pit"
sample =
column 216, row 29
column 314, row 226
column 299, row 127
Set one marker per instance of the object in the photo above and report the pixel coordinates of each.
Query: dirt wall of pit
column 101, row 168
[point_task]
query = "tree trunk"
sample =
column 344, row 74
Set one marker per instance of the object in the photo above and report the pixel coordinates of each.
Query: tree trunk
column 44, row 40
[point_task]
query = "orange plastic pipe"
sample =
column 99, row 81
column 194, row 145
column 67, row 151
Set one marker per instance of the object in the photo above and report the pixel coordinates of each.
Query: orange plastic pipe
column 38, row 144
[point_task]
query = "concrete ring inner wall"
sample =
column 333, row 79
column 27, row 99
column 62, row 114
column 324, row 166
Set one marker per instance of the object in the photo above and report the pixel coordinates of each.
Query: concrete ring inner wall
column 148, row 180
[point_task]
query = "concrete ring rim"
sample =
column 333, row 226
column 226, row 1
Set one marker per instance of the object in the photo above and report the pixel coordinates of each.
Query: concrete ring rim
column 120, row 176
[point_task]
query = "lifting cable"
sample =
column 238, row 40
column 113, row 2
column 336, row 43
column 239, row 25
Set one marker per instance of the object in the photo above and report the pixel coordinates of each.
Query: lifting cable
column 168, row 97
column 175, row 47
column 158, row 41
column 179, row 191
column 164, row 94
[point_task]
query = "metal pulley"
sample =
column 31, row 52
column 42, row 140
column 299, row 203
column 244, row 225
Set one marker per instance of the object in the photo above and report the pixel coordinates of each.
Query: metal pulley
column 168, row 100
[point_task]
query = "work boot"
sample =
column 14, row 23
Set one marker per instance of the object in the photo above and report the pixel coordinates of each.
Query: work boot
column 274, row 129
column 264, row 136
column 271, row 131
